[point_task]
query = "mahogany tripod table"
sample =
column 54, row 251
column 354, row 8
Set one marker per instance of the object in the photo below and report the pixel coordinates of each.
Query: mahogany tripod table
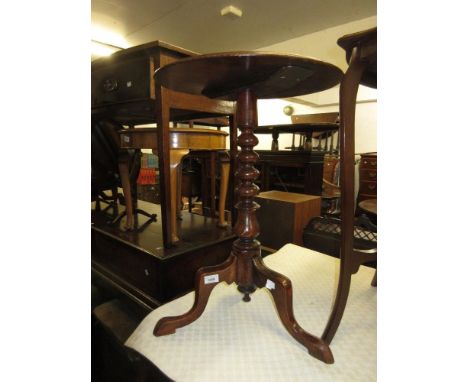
column 246, row 77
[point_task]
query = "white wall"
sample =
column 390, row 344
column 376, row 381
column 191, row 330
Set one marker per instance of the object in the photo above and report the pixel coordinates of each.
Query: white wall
column 322, row 45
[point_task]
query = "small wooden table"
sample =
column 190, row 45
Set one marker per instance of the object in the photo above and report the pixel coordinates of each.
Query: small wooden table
column 246, row 77
column 182, row 140
column 310, row 130
column 369, row 205
column 361, row 54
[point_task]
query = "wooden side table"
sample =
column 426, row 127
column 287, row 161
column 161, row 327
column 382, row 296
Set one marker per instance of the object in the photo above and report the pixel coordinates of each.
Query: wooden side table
column 308, row 130
column 361, row 54
column 181, row 141
column 246, row 77
column 124, row 91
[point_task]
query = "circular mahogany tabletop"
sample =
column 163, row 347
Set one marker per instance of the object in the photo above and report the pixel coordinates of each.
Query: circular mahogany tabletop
column 268, row 75
column 365, row 39
column 369, row 205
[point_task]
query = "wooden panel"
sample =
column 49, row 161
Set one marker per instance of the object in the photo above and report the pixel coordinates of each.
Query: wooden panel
column 303, row 213
column 283, row 215
column 167, row 57
column 121, row 82
column 186, row 138
column 366, row 187
column 368, row 174
column 318, row 117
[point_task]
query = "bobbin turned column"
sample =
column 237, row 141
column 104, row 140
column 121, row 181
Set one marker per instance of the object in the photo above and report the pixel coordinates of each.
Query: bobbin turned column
column 246, row 247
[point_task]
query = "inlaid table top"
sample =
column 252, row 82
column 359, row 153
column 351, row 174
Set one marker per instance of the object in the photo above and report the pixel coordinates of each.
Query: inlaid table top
column 180, row 138
column 267, row 75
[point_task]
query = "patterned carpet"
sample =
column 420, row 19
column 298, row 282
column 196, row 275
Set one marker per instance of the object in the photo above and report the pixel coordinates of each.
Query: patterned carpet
column 234, row 340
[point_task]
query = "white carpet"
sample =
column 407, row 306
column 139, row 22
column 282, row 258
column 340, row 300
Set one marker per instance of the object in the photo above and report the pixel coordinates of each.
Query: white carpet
column 238, row 341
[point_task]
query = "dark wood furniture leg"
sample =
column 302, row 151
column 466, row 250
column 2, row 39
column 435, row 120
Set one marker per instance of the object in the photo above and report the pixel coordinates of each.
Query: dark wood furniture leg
column 162, row 118
column 348, row 92
column 281, row 289
column 127, row 190
column 245, row 266
column 205, row 280
column 225, row 164
column 212, row 184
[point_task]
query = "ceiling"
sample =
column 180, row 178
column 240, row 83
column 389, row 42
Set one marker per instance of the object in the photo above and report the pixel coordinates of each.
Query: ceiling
column 197, row 24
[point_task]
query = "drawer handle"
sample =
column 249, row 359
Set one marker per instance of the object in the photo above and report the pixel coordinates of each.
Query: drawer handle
column 372, row 174
column 374, row 163
column 371, row 186
column 110, row 84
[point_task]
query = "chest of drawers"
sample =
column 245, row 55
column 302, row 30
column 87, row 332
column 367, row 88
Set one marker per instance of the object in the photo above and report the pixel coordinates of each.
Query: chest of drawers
column 367, row 177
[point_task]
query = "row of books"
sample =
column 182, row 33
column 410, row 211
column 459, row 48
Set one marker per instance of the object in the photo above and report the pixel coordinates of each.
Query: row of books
column 148, row 176
column 149, row 161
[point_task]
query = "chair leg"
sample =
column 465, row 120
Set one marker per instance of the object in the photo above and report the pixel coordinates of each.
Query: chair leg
column 206, row 279
column 225, row 164
column 374, row 280
column 175, row 157
column 281, row 289
column 127, row 191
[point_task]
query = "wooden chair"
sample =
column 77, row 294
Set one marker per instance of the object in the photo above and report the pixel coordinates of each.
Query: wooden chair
column 108, row 161
column 361, row 54
column 323, row 234
column 104, row 172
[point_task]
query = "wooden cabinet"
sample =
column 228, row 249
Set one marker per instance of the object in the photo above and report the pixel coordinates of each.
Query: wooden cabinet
column 283, row 215
column 367, row 177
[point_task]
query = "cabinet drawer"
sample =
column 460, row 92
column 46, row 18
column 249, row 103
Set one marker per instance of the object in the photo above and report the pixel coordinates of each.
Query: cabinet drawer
column 368, row 187
column 368, row 174
column 368, row 162
column 124, row 81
